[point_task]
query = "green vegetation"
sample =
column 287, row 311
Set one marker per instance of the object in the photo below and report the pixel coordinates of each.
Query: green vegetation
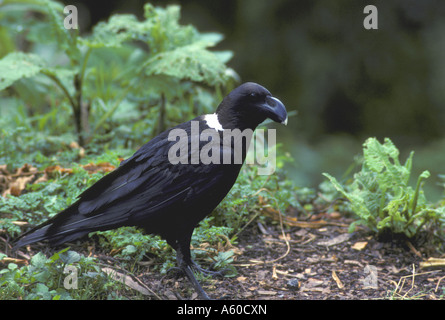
column 117, row 88
column 69, row 102
column 109, row 75
column 381, row 196
column 44, row 278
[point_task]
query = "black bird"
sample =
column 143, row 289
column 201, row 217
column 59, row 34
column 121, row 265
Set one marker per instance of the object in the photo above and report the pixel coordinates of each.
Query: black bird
column 151, row 191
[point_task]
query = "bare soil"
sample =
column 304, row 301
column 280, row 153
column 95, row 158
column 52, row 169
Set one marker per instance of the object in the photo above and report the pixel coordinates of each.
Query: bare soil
column 293, row 263
column 317, row 264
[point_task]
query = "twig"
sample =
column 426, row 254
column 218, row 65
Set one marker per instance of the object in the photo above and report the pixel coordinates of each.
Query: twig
column 401, row 283
column 438, row 282
column 284, row 237
column 414, row 250
column 256, row 262
column 340, row 285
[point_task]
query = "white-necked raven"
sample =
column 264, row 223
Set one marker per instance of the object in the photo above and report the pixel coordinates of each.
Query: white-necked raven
column 147, row 190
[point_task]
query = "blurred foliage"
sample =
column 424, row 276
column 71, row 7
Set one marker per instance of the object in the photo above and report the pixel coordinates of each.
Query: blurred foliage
column 347, row 83
column 341, row 77
column 160, row 66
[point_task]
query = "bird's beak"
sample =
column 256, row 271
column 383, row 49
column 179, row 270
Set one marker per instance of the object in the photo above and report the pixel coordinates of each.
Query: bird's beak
column 276, row 110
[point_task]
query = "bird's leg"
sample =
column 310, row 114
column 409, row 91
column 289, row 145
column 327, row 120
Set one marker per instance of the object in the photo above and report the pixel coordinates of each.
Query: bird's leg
column 186, row 264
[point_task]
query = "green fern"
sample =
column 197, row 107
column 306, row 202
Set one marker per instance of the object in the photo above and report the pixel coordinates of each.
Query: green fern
column 380, row 193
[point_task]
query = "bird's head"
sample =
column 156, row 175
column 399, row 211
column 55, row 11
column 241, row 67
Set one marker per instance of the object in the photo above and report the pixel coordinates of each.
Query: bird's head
column 248, row 105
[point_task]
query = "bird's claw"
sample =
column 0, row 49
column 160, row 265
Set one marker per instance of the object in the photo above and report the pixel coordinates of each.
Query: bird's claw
column 207, row 272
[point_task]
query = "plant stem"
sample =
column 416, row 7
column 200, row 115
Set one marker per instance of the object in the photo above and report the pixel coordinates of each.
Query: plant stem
column 84, row 65
column 61, row 86
column 111, row 110
column 162, row 111
column 416, row 195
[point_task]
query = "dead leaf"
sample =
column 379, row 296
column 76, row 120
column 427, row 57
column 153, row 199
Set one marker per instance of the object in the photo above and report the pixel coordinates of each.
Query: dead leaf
column 312, row 282
column 335, row 215
column 99, row 167
column 58, row 168
column 360, row 245
column 292, row 221
column 266, row 293
column 26, row 169
column 90, row 167
column 334, row 241
column 74, row 145
column 7, row 260
column 19, row 185
column 15, row 183
column 128, row 281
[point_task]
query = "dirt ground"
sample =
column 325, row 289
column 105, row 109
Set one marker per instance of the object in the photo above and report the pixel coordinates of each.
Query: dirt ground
column 326, row 263
column 306, row 263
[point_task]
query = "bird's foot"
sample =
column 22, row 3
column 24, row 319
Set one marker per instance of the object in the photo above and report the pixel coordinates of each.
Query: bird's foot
column 207, row 272
column 196, row 268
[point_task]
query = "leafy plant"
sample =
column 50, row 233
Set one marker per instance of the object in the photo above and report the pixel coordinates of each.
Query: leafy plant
column 175, row 57
column 131, row 245
column 43, row 278
column 381, row 196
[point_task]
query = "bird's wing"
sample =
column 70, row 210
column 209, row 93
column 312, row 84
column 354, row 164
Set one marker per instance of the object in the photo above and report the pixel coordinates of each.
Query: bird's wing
column 149, row 177
column 141, row 186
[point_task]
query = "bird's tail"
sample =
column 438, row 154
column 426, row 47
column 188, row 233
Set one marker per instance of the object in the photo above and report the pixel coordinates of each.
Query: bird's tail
column 67, row 226
column 44, row 234
column 50, row 232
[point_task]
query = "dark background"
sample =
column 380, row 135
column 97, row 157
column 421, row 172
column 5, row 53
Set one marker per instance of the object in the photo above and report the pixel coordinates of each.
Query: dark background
column 347, row 83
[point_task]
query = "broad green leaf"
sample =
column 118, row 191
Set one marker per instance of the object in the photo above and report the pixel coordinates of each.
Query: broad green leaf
column 39, row 260
column 210, row 39
column 56, row 256
column 192, row 62
column 69, row 257
column 119, row 29
column 18, row 65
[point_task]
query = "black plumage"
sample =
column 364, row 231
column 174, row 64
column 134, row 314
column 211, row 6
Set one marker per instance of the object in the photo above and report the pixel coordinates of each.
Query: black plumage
column 150, row 192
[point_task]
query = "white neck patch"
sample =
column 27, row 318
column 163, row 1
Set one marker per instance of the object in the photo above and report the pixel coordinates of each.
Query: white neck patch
column 213, row 122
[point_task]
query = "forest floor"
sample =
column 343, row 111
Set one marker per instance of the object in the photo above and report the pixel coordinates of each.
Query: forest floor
column 317, row 264
column 295, row 263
